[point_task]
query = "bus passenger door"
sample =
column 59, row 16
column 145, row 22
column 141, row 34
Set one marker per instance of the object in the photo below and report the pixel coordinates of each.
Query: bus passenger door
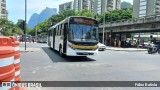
column 65, row 38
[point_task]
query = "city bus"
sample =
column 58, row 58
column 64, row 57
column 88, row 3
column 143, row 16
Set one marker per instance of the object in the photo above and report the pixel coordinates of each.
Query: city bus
column 74, row 36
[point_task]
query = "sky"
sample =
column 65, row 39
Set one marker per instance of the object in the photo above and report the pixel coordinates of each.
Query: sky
column 16, row 8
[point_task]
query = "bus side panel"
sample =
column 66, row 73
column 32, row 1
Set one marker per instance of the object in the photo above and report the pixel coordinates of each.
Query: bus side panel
column 51, row 39
column 58, row 41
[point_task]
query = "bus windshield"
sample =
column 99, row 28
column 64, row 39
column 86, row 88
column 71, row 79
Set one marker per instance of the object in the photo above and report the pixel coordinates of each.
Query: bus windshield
column 83, row 33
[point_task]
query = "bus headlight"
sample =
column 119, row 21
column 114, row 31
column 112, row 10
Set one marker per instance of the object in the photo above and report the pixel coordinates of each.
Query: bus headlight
column 71, row 46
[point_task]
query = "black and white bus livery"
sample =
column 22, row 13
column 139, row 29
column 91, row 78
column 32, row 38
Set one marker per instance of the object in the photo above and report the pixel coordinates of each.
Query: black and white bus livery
column 75, row 36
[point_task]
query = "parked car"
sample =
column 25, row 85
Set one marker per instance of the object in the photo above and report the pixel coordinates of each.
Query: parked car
column 101, row 47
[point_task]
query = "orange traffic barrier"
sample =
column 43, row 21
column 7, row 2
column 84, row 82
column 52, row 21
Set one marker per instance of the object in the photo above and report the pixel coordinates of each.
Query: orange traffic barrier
column 10, row 62
column 7, row 70
column 16, row 44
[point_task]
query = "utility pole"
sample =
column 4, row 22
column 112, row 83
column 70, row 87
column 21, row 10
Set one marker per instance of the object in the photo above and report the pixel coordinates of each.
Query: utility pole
column 104, row 23
column 25, row 23
column 111, row 8
column 36, row 30
column 111, row 29
column 103, row 28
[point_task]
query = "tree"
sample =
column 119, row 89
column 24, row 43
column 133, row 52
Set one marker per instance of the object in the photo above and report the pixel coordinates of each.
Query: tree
column 66, row 13
column 84, row 12
column 21, row 24
column 8, row 28
column 116, row 15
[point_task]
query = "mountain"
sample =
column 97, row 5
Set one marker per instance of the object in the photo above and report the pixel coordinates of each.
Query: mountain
column 33, row 21
column 125, row 5
column 37, row 18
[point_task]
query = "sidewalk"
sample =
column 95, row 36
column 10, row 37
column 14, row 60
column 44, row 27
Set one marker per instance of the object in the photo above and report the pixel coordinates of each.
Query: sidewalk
column 125, row 49
column 30, row 47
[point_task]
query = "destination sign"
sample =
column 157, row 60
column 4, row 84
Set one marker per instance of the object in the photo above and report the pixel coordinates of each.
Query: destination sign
column 83, row 20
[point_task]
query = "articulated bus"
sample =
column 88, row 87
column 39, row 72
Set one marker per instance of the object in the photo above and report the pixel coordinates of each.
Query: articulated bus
column 74, row 36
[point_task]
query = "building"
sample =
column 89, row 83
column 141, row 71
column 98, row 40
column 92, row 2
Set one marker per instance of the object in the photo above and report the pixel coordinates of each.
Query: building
column 83, row 4
column 143, row 8
column 66, row 6
column 97, row 6
column 101, row 6
column 3, row 11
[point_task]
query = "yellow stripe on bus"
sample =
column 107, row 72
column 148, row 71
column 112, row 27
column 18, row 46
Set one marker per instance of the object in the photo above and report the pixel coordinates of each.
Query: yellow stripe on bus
column 84, row 47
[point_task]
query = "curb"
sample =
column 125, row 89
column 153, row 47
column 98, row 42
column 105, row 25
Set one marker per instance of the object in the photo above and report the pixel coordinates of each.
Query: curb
column 30, row 50
column 126, row 50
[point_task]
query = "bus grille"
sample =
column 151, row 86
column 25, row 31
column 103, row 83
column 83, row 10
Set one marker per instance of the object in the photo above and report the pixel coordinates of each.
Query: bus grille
column 84, row 53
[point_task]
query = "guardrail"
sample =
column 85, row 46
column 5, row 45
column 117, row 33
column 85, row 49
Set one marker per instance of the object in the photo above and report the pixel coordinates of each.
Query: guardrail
column 148, row 19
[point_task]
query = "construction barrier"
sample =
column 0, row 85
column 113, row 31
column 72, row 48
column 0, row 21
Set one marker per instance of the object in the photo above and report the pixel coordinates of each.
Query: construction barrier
column 7, row 70
column 16, row 44
column 9, row 62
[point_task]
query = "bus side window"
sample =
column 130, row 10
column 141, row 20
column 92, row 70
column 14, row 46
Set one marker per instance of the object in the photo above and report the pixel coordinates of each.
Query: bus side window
column 61, row 29
column 54, row 31
column 57, row 31
column 50, row 32
column 65, row 28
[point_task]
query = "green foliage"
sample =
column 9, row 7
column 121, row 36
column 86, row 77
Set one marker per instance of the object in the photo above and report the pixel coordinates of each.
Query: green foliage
column 21, row 24
column 8, row 28
column 84, row 12
column 66, row 13
column 117, row 15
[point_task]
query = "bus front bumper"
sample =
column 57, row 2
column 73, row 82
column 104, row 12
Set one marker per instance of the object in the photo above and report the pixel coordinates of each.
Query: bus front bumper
column 71, row 52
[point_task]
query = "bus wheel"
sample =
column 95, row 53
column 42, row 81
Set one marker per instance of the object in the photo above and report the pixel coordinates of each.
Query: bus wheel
column 60, row 51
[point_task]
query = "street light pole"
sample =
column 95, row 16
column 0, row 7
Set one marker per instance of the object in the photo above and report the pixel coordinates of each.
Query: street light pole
column 0, row 30
column 103, row 27
column 111, row 29
column 104, row 21
column 36, row 30
column 25, row 22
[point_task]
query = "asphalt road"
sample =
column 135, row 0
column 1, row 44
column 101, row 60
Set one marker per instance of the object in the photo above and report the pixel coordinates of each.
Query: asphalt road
column 44, row 64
